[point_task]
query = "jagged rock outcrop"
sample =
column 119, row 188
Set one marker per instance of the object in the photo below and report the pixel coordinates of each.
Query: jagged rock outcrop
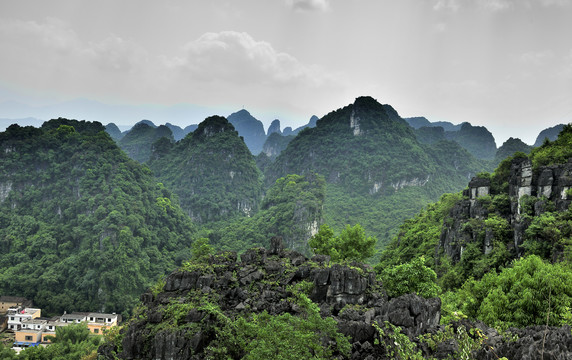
column 531, row 343
column 262, row 281
column 545, row 184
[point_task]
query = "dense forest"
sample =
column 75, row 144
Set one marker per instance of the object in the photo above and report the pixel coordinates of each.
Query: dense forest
column 82, row 226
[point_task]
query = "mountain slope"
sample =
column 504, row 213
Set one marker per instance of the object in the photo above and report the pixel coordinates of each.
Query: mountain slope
column 211, row 170
column 550, row 134
column 83, row 227
column 137, row 143
column 373, row 164
column 251, row 129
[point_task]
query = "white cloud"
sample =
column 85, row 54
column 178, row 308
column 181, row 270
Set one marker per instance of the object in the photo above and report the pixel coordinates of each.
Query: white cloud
column 496, row 5
column 235, row 57
column 116, row 54
column 309, row 5
column 452, row 5
column 52, row 34
column 537, row 58
column 556, row 2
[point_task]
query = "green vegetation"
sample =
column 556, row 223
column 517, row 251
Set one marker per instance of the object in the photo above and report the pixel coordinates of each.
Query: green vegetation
column 554, row 152
column 490, row 281
column 263, row 336
column 72, row 342
column 382, row 169
column 510, row 147
column 531, row 292
column 291, row 208
column 350, row 245
column 411, row 277
column 138, row 142
column 212, row 172
column 83, row 227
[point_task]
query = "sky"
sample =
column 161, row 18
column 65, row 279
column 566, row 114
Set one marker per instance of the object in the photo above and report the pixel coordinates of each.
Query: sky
column 503, row 64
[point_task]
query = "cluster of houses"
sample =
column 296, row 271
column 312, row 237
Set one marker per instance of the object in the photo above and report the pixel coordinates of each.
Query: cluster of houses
column 30, row 328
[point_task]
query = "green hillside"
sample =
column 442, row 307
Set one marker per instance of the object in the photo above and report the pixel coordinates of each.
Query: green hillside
column 212, row 172
column 377, row 172
column 82, row 227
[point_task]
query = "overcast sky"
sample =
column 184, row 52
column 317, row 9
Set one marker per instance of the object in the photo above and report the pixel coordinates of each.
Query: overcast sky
column 503, row 64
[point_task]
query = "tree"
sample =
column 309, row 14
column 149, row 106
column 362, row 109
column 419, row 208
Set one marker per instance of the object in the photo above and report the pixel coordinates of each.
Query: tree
column 201, row 250
column 531, row 292
column 411, row 277
column 351, row 244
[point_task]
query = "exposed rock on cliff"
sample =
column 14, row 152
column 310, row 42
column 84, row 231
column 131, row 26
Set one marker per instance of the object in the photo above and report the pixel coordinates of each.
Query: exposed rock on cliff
column 174, row 323
column 527, row 190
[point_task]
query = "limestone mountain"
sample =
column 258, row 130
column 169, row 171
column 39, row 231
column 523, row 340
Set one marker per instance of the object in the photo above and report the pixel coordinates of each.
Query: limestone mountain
column 498, row 213
column 211, row 170
column 291, row 209
column 250, row 128
column 275, row 144
column 476, row 139
column 178, row 132
column 550, row 134
column 311, row 123
column 114, row 131
column 274, row 127
column 138, row 141
column 420, row 121
column 373, row 164
column 82, row 226
column 510, row 147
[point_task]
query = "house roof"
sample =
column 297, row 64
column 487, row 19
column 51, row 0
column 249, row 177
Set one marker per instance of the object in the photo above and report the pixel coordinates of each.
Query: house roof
column 15, row 299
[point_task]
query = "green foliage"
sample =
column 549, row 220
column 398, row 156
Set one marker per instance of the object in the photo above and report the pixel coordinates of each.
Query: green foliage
column 420, row 235
column 212, row 172
column 511, row 147
column 531, row 292
column 138, row 143
column 554, row 152
column 351, row 244
column 83, row 227
column 263, row 336
column 72, row 342
column 397, row 345
column 549, row 236
column 7, row 353
column 290, row 209
column 383, row 170
column 201, row 250
column 411, row 277
column 467, row 341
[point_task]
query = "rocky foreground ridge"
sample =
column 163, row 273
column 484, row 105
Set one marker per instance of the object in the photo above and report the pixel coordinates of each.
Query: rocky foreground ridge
column 174, row 323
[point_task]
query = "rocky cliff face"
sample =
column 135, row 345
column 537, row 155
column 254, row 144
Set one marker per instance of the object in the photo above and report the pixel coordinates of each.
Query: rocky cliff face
column 262, row 281
column 527, row 187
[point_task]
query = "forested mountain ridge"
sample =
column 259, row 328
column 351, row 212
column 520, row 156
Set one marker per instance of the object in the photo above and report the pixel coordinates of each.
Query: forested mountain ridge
column 138, row 141
column 211, row 170
column 373, row 164
column 82, row 226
